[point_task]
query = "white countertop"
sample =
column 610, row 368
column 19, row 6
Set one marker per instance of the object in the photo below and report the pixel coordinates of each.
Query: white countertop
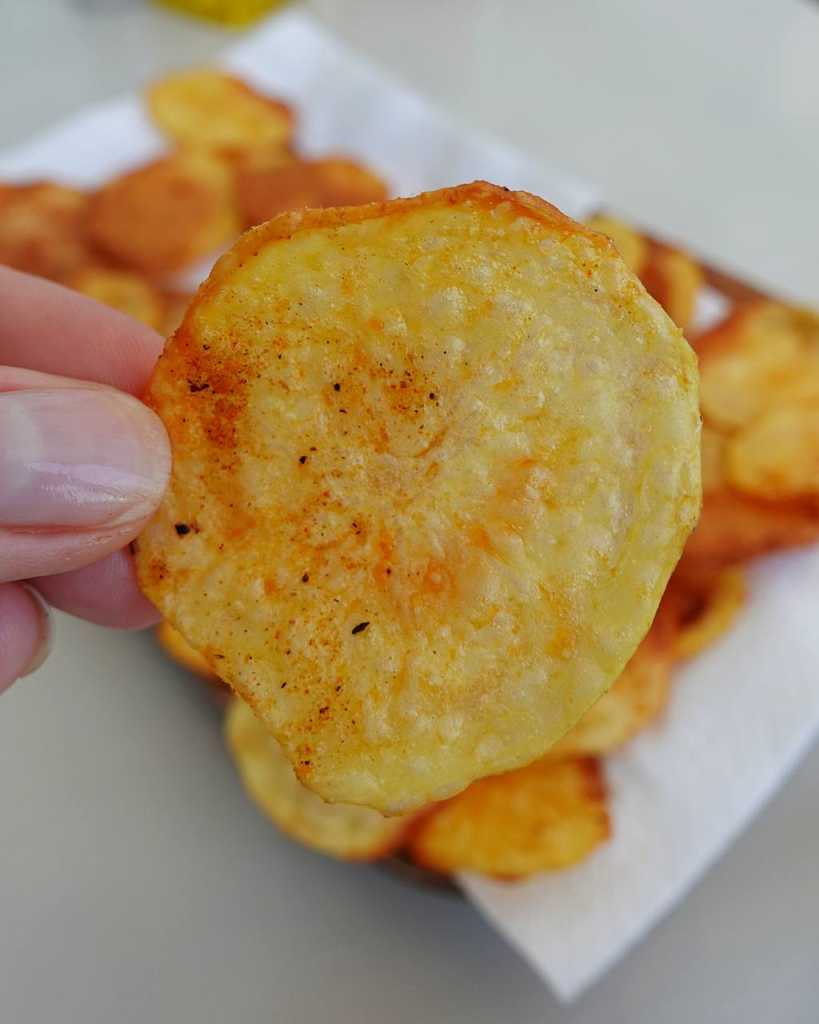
column 135, row 883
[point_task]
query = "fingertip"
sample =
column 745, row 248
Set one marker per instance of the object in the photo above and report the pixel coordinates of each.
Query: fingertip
column 25, row 632
column 105, row 592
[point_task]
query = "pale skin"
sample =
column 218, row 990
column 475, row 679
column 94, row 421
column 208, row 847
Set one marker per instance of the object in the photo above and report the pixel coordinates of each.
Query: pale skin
column 83, row 465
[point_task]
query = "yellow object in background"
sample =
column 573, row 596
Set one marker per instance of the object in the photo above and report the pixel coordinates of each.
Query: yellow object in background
column 229, row 12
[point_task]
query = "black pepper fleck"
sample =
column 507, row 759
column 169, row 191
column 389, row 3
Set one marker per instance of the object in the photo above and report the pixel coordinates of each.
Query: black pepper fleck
column 182, row 529
column 360, row 627
column 336, row 387
column 305, row 578
column 302, row 459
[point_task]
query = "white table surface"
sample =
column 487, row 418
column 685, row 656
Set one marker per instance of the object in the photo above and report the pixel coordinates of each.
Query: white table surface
column 136, row 884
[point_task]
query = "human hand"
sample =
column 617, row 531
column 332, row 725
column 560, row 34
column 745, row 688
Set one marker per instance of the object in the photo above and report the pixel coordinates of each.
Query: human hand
column 83, row 464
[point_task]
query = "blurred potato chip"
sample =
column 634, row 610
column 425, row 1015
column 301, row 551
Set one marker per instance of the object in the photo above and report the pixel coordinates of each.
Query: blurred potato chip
column 166, row 214
column 122, row 290
column 332, row 181
column 42, row 229
column 636, row 698
column 544, row 817
column 708, row 609
column 777, row 456
column 713, row 458
column 675, row 280
column 764, row 354
column 734, row 527
column 631, row 245
column 345, row 831
column 203, row 107
column 427, row 488
column 174, row 307
column 180, row 651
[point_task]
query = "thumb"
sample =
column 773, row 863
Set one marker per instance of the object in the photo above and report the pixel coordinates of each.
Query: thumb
column 82, row 467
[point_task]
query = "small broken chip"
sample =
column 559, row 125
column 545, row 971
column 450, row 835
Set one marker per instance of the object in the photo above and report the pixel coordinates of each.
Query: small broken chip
column 345, row 831
column 508, row 543
column 164, row 215
column 209, row 108
column 545, row 817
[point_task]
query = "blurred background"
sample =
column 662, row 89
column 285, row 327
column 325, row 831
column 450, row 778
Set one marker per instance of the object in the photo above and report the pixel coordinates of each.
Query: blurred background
column 699, row 121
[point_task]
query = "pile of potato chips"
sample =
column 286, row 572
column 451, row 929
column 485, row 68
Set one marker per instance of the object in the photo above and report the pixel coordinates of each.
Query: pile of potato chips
column 234, row 164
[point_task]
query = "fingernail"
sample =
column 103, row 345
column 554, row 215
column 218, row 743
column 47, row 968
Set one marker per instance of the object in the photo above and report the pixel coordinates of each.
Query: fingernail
column 79, row 457
column 46, row 631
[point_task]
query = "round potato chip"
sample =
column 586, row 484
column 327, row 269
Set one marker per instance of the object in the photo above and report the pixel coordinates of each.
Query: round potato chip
column 434, row 461
column 332, row 181
column 541, row 818
column 345, row 831
column 204, row 107
column 122, row 290
column 42, row 229
column 166, row 214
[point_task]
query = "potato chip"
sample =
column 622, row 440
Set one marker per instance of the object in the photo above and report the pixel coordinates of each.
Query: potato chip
column 166, row 214
column 434, row 461
column 179, row 650
column 777, row 456
column 333, row 181
column 544, row 817
column 734, row 527
column 631, row 245
column 203, row 107
column 635, row 699
column 713, row 458
column 42, row 229
column 709, row 608
column 761, row 356
column 122, row 290
column 675, row 280
column 174, row 307
column 345, row 831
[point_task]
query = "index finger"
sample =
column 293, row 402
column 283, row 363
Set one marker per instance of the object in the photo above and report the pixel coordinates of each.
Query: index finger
column 46, row 327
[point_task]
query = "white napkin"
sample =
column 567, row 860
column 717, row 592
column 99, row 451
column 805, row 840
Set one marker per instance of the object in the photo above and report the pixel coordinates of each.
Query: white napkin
column 740, row 715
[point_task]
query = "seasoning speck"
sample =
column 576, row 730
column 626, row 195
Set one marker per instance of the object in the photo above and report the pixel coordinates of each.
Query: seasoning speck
column 302, row 459
column 305, row 577
column 360, row 627
column 336, row 387
column 182, row 529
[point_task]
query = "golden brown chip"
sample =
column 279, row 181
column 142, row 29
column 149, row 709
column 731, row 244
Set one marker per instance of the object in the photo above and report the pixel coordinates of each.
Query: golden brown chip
column 435, row 460
column 544, row 817
column 763, row 355
column 345, row 831
column 333, row 181
column 163, row 216
column 675, row 280
column 42, row 229
column 122, row 290
column 637, row 697
column 734, row 527
column 175, row 305
column 204, row 107
column 177, row 648
column 777, row 456
column 631, row 245
column 709, row 608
